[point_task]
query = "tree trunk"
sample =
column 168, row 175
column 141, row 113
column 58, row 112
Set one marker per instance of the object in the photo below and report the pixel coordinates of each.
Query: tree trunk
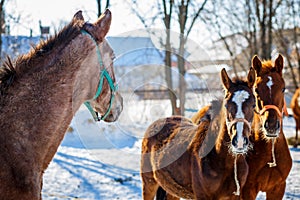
column 270, row 28
column 168, row 71
column 181, row 68
column 168, row 54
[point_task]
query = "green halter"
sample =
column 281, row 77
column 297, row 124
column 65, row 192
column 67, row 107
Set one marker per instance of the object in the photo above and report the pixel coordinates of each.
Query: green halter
column 103, row 74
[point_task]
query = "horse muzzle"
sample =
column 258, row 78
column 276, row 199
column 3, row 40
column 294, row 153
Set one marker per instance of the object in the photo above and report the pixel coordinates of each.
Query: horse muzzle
column 272, row 129
column 116, row 109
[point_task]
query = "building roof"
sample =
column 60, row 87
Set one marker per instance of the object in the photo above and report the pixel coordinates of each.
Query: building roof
column 134, row 51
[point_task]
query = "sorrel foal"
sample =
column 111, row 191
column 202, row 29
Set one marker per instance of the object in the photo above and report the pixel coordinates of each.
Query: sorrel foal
column 39, row 94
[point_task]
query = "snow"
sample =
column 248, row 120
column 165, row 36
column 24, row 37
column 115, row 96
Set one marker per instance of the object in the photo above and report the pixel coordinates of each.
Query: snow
column 101, row 161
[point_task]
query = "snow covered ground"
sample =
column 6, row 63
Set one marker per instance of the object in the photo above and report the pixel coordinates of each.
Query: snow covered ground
column 101, row 161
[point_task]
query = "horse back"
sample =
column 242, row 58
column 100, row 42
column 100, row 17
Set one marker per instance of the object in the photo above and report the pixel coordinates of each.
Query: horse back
column 160, row 132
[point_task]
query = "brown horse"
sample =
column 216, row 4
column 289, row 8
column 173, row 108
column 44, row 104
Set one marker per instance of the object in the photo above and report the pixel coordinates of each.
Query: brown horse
column 295, row 106
column 202, row 161
column 270, row 160
column 41, row 91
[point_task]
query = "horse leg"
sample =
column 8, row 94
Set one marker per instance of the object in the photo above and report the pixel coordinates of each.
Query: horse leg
column 249, row 192
column 276, row 193
column 149, row 186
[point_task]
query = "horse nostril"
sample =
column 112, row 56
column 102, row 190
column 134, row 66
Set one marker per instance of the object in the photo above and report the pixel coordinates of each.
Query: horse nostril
column 277, row 124
column 234, row 141
column 266, row 125
column 246, row 141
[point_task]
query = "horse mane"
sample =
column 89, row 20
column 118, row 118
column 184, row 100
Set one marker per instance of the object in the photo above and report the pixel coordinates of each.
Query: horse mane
column 10, row 70
column 208, row 127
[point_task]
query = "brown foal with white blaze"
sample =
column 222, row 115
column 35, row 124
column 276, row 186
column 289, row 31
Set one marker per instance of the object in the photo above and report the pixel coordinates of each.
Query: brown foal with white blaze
column 39, row 94
column 205, row 160
column 270, row 161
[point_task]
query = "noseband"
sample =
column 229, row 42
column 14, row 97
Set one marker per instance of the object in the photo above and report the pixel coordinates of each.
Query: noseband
column 103, row 74
column 236, row 120
column 282, row 113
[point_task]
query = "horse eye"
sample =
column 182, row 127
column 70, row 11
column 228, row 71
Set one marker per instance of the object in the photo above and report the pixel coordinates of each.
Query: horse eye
column 283, row 89
column 256, row 90
column 254, row 105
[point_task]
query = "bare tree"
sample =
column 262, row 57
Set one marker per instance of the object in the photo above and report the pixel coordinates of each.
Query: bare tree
column 287, row 36
column 184, row 8
column 99, row 6
column 188, row 13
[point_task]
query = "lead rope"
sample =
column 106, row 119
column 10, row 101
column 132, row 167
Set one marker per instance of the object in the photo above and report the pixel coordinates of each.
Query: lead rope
column 273, row 164
column 238, row 187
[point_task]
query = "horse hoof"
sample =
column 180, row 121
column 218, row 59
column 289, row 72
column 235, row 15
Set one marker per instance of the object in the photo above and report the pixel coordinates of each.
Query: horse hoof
column 295, row 145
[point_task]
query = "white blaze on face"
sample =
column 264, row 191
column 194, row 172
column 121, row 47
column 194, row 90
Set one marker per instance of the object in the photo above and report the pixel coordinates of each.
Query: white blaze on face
column 270, row 83
column 239, row 97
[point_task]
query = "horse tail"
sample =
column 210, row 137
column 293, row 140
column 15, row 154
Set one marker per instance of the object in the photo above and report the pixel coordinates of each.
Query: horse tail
column 161, row 194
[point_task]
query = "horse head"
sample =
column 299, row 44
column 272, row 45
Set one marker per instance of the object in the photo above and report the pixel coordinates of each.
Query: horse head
column 106, row 99
column 269, row 93
column 239, row 103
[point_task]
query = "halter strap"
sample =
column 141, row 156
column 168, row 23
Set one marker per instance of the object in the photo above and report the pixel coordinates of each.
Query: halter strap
column 103, row 74
column 282, row 113
column 269, row 107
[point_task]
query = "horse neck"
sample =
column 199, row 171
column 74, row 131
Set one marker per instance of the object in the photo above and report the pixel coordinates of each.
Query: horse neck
column 257, row 133
column 223, row 139
column 71, row 74
column 217, row 150
column 41, row 102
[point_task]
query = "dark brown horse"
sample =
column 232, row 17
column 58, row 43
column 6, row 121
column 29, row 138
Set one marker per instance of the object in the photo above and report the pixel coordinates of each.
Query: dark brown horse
column 204, row 161
column 40, row 92
column 295, row 106
column 270, row 160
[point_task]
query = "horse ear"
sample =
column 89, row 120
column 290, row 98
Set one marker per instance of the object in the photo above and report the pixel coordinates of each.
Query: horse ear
column 256, row 64
column 100, row 28
column 78, row 17
column 225, row 79
column 251, row 77
column 103, row 24
column 279, row 64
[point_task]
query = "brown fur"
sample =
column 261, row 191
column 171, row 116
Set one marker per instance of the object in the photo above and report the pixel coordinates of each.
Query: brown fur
column 261, row 177
column 40, row 92
column 194, row 161
column 196, row 118
column 296, row 113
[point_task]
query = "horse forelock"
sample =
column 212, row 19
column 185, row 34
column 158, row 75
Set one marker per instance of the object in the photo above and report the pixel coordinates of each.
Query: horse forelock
column 239, row 81
column 11, row 70
column 267, row 67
